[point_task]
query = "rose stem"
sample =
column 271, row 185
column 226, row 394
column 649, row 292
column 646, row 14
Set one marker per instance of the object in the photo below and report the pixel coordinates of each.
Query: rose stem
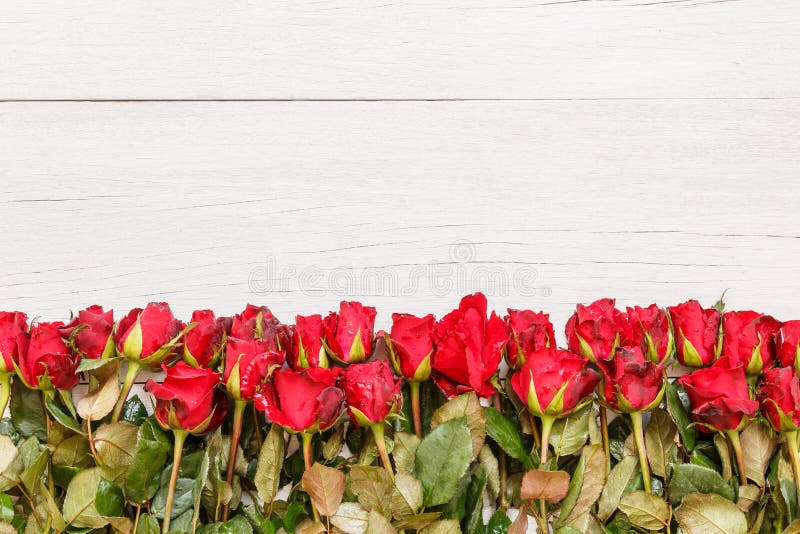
column 415, row 409
column 733, row 436
column 380, row 443
column 791, row 445
column 547, row 426
column 307, row 459
column 537, row 441
column 130, row 377
column 239, row 407
column 604, row 436
column 638, row 434
column 501, row 457
column 177, row 452
column 257, row 429
column 5, row 392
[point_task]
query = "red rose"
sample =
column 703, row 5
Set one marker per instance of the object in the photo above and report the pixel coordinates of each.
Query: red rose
column 248, row 364
column 632, row 383
column 696, row 332
column 189, row 399
column 48, row 363
column 469, row 348
column 306, row 400
column 554, row 382
column 650, row 331
column 748, row 338
column 202, row 344
column 148, row 336
column 410, row 345
column 94, row 327
column 13, row 339
column 594, row 331
column 307, row 347
column 789, row 344
column 530, row 332
column 257, row 322
column 719, row 396
column 372, row 392
column 348, row 334
column 779, row 396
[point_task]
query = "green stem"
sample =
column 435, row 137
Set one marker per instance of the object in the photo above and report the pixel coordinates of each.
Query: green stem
column 307, row 460
column 130, row 377
column 638, row 434
column 605, row 438
column 5, row 392
column 733, row 436
column 501, row 458
column 547, row 427
column 239, row 407
column 380, row 443
column 177, row 453
column 791, row 445
column 415, row 408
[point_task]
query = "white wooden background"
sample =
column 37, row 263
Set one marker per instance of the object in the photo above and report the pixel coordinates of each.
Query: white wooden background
column 296, row 153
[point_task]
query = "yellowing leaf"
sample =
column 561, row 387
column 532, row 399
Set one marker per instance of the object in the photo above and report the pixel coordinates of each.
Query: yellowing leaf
column 710, row 514
column 325, row 486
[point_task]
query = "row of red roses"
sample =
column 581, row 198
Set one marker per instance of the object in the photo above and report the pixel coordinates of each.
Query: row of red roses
column 461, row 352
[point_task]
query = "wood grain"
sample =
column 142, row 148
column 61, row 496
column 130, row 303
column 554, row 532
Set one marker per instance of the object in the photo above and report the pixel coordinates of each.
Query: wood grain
column 405, row 206
column 448, row 49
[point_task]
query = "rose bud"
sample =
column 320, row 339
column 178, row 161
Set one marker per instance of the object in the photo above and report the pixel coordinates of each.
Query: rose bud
column 649, row 330
column 469, row 347
column 748, row 338
column 530, row 332
column 554, row 383
column 48, row 363
column 372, row 392
column 148, row 336
column 13, row 339
column 789, row 344
column 779, row 396
column 257, row 322
column 594, row 331
column 202, row 345
column 305, row 400
column 719, row 396
column 91, row 332
column 189, row 399
column 248, row 364
column 632, row 383
column 307, row 347
column 410, row 345
column 696, row 331
column 348, row 334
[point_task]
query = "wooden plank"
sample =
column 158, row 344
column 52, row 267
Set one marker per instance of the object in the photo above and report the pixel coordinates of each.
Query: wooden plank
column 448, row 49
column 290, row 204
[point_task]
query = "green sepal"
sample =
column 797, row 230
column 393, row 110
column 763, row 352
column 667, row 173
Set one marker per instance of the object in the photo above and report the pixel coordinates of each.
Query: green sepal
column 357, row 352
column 360, row 417
column 163, row 352
column 233, row 384
column 691, row 357
column 423, row 371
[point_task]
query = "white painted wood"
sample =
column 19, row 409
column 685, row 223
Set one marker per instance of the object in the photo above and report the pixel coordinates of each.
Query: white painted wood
column 333, row 49
column 122, row 203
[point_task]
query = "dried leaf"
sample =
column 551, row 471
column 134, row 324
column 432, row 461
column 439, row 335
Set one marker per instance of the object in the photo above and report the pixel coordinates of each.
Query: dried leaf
column 520, row 524
column 267, row 478
column 405, row 449
column 551, row 486
column 350, row 518
column 445, row 526
column 645, row 510
column 103, row 393
column 758, row 446
column 378, row 524
column 406, row 496
column 325, row 486
column 709, row 514
column 373, row 487
column 660, row 442
column 586, row 484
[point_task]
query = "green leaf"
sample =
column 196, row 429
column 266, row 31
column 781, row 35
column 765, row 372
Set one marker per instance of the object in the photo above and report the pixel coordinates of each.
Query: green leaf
column 79, row 503
column 108, row 500
column 645, row 510
column 115, row 444
column 466, row 405
column 152, row 448
column 6, row 508
column 373, row 487
column 445, row 526
column 27, row 411
column 183, row 501
column 270, row 462
column 88, row 364
column 498, row 523
column 35, row 468
column 456, row 507
column 678, row 406
column 489, row 462
column 473, row 522
column 134, row 410
column 659, row 438
column 11, row 465
column 417, row 521
column 618, row 480
column 505, row 434
column 689, row 478
column 73, row 452
column 441, row 460
column 148, row 525
column 586, row 484
column 570, row 433
column 405, row 450
column 709, row 514
column 64, row 419
column 406, row 495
